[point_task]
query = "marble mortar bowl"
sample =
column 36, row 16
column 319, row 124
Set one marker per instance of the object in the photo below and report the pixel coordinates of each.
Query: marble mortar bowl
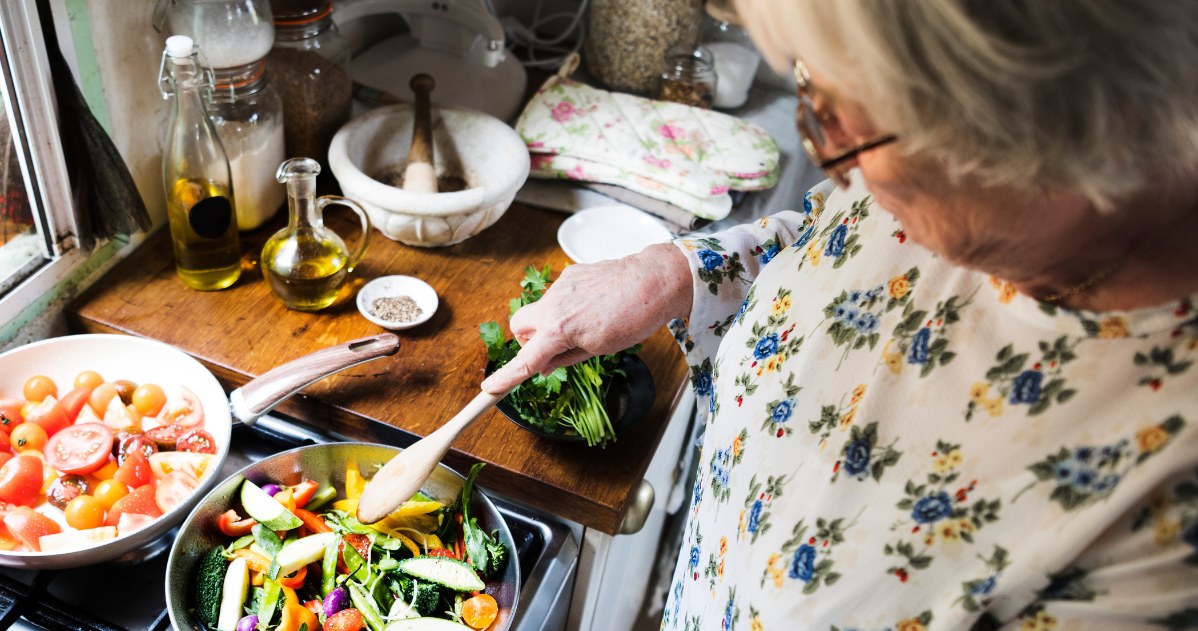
column 473, row 152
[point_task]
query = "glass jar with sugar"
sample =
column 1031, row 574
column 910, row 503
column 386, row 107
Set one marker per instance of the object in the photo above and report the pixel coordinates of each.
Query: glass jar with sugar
column 736, row 58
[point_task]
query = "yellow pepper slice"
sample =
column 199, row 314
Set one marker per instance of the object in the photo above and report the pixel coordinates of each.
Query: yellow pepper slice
column 354, row 482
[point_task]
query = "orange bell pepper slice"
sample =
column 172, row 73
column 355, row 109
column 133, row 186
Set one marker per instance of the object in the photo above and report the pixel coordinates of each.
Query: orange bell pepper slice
column 314, row 522
column 296, row 580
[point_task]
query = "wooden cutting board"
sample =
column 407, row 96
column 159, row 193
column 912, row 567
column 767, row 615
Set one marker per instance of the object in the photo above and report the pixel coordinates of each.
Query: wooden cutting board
column 243, row 331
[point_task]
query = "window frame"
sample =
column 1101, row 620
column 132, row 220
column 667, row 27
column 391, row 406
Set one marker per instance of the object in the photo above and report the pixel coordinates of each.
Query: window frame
column 28, row 93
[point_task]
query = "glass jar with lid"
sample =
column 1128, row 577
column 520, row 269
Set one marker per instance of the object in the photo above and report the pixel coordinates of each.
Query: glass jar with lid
column 309, row 65
column 736, row 58
column 248, row 115
column 626, row 39
column 689, row 77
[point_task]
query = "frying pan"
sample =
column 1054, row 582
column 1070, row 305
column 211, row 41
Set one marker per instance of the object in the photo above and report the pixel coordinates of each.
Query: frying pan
column 146, row 361
column 324, row 463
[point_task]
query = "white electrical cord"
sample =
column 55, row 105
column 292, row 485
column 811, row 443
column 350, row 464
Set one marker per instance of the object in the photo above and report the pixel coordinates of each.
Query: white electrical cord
column 526, row 35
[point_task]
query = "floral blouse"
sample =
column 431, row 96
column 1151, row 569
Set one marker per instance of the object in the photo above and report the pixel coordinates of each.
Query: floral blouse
column 897, row 443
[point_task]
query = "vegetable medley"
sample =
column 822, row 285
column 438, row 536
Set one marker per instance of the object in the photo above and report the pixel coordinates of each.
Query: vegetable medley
column 96, row 462
column 296, row 560
column 568, row 400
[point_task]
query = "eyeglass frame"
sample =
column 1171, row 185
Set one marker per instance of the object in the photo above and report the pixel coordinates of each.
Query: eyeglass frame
column 809, row 121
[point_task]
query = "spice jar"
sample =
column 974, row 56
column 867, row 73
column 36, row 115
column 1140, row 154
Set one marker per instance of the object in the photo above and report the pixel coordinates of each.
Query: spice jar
column 248, row 116
column 689, row 77
column 736, row 58
column 626, row 39
column 309, row 65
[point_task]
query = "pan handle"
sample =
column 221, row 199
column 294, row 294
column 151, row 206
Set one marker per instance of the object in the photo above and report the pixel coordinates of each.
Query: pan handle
column 262, row 394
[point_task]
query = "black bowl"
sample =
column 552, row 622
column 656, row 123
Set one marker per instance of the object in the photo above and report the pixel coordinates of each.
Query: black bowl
column 629, row 397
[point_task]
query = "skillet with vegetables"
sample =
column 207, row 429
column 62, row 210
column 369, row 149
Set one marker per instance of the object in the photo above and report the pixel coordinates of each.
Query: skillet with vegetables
column 294, row 558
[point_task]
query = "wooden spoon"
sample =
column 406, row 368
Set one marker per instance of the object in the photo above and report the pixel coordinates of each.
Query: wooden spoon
column 404, row 474
column 420, row 176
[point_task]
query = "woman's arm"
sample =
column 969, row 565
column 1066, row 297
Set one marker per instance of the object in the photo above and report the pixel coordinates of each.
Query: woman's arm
column 597, row 309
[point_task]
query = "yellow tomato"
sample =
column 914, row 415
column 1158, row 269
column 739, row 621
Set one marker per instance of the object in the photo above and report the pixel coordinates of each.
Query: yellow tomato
column 38, row 387
column 149, row 398
column 85, row 512
column 28, row 437
column 107, row 471
column 89, row 379
column 109, row 491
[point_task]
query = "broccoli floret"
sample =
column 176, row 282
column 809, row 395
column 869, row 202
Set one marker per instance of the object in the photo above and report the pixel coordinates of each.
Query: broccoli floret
column 426, row 598
column 496, row 555
column 210, row 580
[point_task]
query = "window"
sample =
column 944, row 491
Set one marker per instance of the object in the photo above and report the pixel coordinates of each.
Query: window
column 37, row 225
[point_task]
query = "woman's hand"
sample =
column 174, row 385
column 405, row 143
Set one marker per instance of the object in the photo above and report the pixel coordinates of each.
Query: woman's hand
column 595, row 310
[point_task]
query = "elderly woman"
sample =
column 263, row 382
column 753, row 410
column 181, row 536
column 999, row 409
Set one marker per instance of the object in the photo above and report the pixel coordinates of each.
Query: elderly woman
column 958, row 390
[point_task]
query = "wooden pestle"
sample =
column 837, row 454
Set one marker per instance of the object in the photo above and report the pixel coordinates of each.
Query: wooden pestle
column 420, row 176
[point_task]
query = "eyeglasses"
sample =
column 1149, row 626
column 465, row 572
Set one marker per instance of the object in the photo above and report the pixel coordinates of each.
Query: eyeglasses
column 815, row 123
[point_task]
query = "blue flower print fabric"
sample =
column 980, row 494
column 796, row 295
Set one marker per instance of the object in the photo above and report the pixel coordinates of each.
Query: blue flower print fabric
column 895, row 443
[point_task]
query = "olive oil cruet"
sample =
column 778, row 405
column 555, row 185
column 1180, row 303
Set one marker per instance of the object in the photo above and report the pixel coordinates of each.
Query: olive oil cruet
column 306, row 263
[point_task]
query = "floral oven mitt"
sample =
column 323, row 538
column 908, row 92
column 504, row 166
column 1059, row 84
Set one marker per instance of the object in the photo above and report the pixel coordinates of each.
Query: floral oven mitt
column 686, row 156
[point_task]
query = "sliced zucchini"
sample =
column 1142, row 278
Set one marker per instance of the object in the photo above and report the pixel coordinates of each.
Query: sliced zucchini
column 401, row 611
column 301, row 552
column 450, row 573
column 262, row 507
column 237, row 585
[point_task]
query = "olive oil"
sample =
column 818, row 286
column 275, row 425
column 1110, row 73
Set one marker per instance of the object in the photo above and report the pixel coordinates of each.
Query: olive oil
column 305, row 271
column 196, row 178
column 306, row 263
column 203, row 234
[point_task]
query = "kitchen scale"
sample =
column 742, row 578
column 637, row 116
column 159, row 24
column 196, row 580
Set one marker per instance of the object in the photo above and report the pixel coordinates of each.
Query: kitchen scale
column 459, row 42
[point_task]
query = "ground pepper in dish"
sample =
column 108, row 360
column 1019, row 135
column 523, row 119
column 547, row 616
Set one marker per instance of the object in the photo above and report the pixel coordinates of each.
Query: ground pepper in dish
column 396, row 308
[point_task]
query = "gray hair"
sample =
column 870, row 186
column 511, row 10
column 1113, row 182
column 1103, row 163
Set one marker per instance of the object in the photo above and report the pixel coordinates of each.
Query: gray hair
column 1098, row 97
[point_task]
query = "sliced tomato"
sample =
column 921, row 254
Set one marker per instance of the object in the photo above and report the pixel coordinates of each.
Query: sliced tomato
column 128, row 522
column 49, row 414
column 21, row 480
column 442, row 552
column 166, row 436
column 79, row 449
column 196, row 440
column 118, row 416
column 135, row 471
column 66, row 488
column 74, row 401
column 130, row 443
column 29, row 526
column 173, row 490
column 360, row 543
column 139, row 501
column 88, row 415
column 164, row 463
column 76, row 539
column 10, row 414
column 182, row 407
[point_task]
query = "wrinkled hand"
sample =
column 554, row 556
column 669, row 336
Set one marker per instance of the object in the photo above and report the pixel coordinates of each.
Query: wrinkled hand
column 597, row 309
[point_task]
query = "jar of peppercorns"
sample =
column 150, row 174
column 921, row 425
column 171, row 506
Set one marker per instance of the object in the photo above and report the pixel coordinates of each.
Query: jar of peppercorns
column 688, row 77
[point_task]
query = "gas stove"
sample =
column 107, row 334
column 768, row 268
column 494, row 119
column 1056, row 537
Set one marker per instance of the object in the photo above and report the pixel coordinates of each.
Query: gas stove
column 130, row 594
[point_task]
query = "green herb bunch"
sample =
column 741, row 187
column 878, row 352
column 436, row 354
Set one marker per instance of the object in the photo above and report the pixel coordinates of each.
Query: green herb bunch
column 571, row 396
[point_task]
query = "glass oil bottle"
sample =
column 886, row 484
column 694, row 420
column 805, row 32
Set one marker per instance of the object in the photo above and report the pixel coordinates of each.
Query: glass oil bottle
column 196, row 178
column 306, row 263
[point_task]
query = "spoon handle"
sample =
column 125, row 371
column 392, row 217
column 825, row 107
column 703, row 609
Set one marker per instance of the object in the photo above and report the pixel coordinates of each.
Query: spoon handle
column 403, row 475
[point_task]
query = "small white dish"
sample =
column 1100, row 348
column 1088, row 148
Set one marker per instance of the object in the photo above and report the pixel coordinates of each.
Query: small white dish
column 396, row 286
column 609, row 232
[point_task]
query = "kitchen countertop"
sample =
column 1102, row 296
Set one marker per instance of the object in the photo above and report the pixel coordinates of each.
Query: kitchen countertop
column 243, row 331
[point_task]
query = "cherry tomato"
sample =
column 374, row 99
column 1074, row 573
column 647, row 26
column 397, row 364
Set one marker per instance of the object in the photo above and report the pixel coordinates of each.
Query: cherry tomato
column 10, row 414
column 21, row 480
column 125, row 390
column 28, row 437
column 166, row 436
column 73, row 401
column 89, row 379
column 134, row 472
column 38, row 387
column 135, row 442
column 196, row 441
column 182, row 407
column 28, row 526
column 139, row 501
column 345, row 620
column 149, row 398
column 49, row 414
column 101, row 396
column 107, row 471
column 85, row 512
column 442, row 552
column 480, row 611
column 66, row 488
column 173, row 489
column 79, row 448
column 109, row 491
